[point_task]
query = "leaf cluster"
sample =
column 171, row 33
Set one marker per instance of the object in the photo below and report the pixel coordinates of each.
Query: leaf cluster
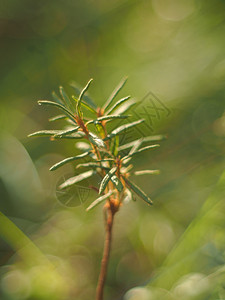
column 101, row 147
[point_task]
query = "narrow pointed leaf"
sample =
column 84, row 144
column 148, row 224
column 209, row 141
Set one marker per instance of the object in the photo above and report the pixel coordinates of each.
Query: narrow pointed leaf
column 91, row 165
column 99, row 200
column 127, row 158
column 67, row 160
column 66, row 99
column 122, row 128
column 135, row 146
column 107, row 118
column 72, row 136
column 124, row 107
column 94, row 139
column 87, row 106
column 138, row 191
column 145, row 139
column 86, row 98
column 67, row 132
column 56, row 98
column 117, row 105
column 147, row 172
column 76, row 179
column 106, row 179
column 114, row 93
column 56, row 118
column 46, row 102
column 45, row 133
column 114, row 145
column 117, row 183
column 81, row 95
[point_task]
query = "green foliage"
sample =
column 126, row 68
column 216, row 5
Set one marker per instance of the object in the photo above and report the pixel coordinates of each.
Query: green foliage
column 103, row 147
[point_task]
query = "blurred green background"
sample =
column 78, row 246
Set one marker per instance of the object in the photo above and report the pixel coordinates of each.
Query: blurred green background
column 173, row 52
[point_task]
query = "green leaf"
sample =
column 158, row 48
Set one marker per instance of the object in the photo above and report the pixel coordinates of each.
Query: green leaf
column 106, row 179
column 94, row 139
column 122, row 128
column 45, row 133
column 114, row 93
column 67, row 160
column 147, row 172
column 56, row 118
column 135, row 146
column 99, row 200
column 114, row 145
column 67, row 132
column 124, row 107
column 117, row 183
column 145, row 139
column 76, row 179
column 117, row 105
column 66, row 99
column 91, row 165
column 81, row 95
column 86, row 98
column 127, row 158
column 138, row 191
column 107, row 118
column 76, row 136
column 87, row 106
column 46, row 102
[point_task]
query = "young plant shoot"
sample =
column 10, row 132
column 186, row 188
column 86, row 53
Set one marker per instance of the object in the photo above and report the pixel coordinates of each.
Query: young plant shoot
column 104, row 153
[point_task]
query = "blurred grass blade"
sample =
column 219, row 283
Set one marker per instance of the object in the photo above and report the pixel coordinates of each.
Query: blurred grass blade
column 114, row 93
column 76, row 179
column 56, row 118
column 99, row 200
column 114, row 145
column 85, row 105
column 66, row 99
column 86, row 98
column 124, row 107
column 147, row 172
column 117, row 105
column 69, row 159
column 106, row 179
column 123, row 128
column 50, row 103
column 138, row 191
column 81, row 96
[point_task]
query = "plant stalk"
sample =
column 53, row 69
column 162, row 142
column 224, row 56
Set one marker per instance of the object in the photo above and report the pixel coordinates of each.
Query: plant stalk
column 109, row 217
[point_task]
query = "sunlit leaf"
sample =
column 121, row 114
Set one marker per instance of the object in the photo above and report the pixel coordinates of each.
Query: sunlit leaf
column 46, row 102
column 138, row 191
column 76, row 179
column 147, row 172
column 123, row 128
column 67, row 160
column 94, row 139
column 117, row 105
column 106, row 179
column 77, row 135
column 99, row 200
column 107, row 118
column 45, row 133
column 124, row 107
column 117, row 183
column 67, row 132
column 114, row 93
column 85, row 97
